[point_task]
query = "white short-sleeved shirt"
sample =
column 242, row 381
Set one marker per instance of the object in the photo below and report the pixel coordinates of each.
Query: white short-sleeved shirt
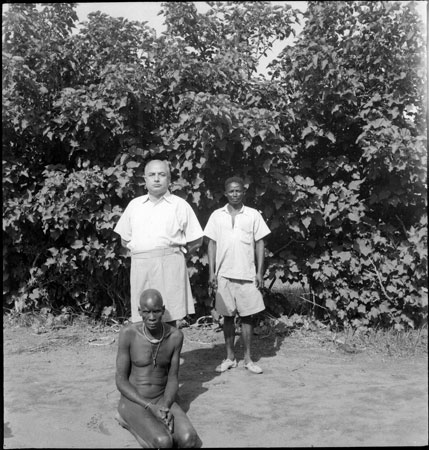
column 167, row 223
column 235, row 245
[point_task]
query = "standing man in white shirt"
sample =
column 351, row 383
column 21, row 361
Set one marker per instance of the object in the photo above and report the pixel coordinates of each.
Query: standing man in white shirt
column 236, row 238
column 158, row 228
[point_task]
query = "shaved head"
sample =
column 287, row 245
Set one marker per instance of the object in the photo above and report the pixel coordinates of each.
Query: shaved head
column 151, row 309
column 151, row 296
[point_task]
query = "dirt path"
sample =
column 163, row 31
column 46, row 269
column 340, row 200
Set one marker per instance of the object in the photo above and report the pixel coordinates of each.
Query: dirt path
column 59, row 392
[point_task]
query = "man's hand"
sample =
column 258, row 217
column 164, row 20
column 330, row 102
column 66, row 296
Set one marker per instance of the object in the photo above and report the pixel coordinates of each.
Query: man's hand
column 167, row 417
column 212, row 285
column 163, row 413
column 259, row 281
column 193, row 246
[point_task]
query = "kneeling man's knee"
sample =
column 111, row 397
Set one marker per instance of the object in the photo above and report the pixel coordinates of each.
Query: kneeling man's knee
column 190, row 439
column 163, row 441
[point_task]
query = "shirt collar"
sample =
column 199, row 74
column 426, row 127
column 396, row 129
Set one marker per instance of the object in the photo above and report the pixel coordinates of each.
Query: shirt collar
column 166, row 197
column 242, row 210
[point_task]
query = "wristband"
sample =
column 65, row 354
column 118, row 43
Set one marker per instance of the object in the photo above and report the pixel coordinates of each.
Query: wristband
column 147, row 405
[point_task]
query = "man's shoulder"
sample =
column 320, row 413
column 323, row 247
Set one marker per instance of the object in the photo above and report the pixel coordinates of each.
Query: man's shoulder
column 130, row 327
column 128, row 330
column 251, row 210
column 218, row 212
column 176, row 199
column 174, row 333
column 137, row 200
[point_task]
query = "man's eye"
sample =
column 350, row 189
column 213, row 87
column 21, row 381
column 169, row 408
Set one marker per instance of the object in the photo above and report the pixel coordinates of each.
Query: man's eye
column 161, row 174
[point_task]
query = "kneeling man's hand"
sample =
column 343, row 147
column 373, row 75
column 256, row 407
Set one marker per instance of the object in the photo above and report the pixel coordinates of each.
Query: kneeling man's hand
column 167, row 417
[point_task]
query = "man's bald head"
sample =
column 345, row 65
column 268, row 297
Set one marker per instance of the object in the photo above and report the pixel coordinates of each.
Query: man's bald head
column 157, row 178
column 151, row 297
column 158, row 163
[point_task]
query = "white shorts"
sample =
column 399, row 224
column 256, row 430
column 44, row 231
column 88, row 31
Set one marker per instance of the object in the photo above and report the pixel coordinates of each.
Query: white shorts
column 238, row 296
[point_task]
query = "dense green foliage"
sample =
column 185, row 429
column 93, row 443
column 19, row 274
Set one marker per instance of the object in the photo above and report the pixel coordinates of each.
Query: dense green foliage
column 332, row 147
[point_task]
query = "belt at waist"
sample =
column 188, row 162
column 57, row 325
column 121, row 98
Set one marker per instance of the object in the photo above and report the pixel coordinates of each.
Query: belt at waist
column 156, row 252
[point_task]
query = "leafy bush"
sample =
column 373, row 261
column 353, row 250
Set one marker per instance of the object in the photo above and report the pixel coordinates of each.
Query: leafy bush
column 332, row 148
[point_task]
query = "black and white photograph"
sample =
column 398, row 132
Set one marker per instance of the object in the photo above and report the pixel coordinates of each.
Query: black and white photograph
column 215, row 224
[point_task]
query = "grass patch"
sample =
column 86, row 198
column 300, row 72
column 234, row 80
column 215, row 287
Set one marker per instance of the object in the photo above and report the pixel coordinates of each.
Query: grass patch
column 289, row 305
column 388, row 342
column 43, row 320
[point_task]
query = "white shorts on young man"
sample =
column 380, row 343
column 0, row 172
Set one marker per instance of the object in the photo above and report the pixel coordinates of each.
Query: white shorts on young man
column 238, row 296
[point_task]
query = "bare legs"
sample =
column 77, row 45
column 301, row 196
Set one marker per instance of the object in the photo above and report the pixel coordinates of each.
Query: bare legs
column 229, row 335
column 246, row 334
column 151, row 433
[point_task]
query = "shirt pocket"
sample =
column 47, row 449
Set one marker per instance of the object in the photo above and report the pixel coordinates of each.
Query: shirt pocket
column 245, row 236
column 245, row 230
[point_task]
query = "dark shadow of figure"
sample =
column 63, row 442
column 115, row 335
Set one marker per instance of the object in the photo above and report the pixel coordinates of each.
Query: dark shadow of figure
column 197, row 369
column 263, row 345
column 199, row 365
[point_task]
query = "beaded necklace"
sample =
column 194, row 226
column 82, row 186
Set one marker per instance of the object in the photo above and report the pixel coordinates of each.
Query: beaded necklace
column 154, row 341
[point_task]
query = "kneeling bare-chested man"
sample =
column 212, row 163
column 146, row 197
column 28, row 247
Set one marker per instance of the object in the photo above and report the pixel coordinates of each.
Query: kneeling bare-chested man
column 147, row 368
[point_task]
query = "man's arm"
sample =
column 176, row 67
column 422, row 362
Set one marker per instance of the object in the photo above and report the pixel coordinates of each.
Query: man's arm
column 123, row 368
column 260, row 257
column 211, row 253
column 193, row 246
column 172, row 385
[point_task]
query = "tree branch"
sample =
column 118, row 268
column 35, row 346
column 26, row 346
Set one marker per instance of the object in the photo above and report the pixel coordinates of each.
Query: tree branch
column 380, row 280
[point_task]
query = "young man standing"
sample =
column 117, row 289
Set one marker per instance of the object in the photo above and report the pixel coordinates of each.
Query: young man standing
column 236, row 234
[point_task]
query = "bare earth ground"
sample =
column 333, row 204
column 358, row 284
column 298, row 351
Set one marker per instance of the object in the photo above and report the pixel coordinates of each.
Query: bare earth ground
column 59, row 392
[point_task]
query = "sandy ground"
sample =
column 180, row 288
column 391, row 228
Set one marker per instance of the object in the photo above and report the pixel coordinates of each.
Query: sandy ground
column 59, row 392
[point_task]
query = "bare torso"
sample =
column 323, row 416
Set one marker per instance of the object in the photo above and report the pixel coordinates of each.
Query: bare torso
column 151, row 369
column 149, row 379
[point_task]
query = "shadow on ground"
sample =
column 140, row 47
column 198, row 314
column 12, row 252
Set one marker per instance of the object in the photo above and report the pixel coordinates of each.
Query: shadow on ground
column 198, row 368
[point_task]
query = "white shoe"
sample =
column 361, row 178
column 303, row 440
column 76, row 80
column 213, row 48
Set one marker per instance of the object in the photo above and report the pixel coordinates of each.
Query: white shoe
column 226, row 364
column 252, row 367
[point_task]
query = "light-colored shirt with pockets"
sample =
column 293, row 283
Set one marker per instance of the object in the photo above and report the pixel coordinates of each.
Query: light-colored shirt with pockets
column 170, row 222
column 235, row 245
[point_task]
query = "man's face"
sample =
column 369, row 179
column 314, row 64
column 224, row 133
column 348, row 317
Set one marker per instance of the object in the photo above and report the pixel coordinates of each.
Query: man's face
column 234, row 193
column 151, row 311
column 157, row 178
